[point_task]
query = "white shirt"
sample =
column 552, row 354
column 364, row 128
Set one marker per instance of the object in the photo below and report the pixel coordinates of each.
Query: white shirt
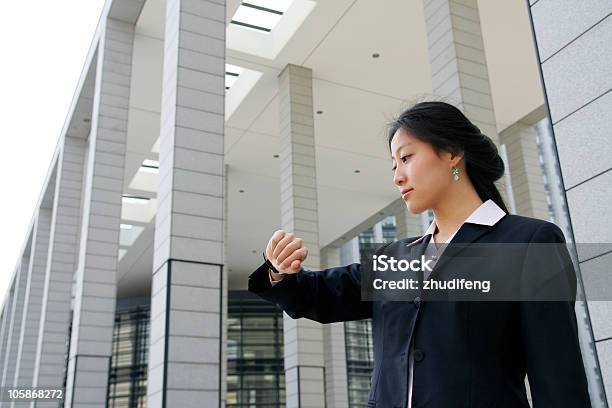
column 488, row 213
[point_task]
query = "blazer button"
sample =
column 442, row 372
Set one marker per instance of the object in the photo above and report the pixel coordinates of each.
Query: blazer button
column 418, row 355
column 417, row 302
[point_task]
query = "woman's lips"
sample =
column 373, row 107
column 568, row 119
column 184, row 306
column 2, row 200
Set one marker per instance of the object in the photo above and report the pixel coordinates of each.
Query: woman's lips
column 405, row 195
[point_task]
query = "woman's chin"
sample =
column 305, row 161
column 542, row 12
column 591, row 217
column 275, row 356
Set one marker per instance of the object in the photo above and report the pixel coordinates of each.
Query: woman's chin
column 414, row 208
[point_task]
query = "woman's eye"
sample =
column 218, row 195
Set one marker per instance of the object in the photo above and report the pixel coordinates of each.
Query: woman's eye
column 403, row 159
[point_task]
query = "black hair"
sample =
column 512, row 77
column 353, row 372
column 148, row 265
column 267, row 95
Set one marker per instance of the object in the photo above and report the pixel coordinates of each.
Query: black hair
column 446, row 128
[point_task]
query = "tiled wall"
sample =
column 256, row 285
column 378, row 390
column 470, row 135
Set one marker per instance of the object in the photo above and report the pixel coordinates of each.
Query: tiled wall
column 573, row 41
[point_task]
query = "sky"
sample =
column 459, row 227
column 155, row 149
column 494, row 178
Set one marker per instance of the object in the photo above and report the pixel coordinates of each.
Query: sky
column 43, row 46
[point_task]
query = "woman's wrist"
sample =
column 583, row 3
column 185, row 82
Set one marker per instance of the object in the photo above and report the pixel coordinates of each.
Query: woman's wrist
column 276, row 276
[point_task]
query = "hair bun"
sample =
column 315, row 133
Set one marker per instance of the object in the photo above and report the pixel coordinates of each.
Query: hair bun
column 484, row 150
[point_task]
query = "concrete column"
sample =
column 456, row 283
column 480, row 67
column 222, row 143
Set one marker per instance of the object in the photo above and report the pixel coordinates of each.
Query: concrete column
column 458, row 64
column 51, row 349
column 524, row 165
column 407, row 225
column 28, row 338
column 95, row 285
column 349, row 252
column 7, row 311
column 378, row 233
column 185, row 367
column 304, row 362
column 554, row 182
column 336, row 391
column 12, row 346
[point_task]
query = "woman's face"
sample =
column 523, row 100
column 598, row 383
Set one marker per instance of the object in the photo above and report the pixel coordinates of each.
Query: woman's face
column 420, row 170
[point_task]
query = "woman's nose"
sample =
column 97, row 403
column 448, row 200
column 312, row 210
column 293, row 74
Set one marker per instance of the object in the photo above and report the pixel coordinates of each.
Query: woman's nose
column 398, row 178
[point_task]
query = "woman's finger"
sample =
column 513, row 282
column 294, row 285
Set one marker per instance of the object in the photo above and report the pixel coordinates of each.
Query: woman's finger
column 289, row 249
column 274, row 240
column 281, row 245
column 298, row 255
column 296, row 266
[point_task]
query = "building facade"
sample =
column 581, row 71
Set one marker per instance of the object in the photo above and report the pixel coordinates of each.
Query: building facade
column 198, row 127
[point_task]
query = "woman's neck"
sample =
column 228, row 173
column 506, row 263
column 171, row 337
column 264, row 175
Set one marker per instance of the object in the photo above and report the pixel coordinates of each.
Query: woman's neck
column 454, row 210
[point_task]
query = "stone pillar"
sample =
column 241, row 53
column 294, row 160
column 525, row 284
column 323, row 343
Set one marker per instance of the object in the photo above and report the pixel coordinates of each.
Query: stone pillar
column 377, row 232
column 459, row 67
column 458, row 64
column 186, row 350
column 12, row 346
column 7, row 310
column 53, row 331
column 407, row 225
column 524, row 165
column 304, row 363
column 95, row 284
column 28, row 338
column 336, row 391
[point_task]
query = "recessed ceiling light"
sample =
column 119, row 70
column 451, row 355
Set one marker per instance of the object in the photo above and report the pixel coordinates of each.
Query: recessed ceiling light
column 241, row 191
column 253, row 251
column 357, row 171
column 381, row 213
column 87, row 120
column 275, row 155
column 375, row 55
column 319, row 112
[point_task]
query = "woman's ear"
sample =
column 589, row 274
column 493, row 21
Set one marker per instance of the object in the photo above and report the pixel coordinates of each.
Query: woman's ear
column 455, row 158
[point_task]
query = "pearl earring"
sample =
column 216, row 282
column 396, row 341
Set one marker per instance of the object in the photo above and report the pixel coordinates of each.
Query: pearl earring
column 455, row 173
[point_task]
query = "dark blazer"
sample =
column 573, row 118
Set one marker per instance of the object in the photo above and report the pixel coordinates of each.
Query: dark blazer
column 467, row 354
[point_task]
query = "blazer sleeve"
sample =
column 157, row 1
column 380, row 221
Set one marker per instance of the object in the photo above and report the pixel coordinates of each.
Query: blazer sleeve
column 330, row 295
column 549, row 330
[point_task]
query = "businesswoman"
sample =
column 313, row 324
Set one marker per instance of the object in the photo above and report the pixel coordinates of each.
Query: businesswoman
column 433, row 354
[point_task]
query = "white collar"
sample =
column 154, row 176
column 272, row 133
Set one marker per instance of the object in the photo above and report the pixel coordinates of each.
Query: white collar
column 488, row 213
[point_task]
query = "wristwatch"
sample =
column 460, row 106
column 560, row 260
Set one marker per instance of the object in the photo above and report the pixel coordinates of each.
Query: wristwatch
column 267, row 261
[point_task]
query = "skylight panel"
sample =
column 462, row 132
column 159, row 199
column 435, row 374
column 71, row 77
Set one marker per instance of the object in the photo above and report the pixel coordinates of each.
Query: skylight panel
column 130, row 199
column 121, row 253
column 232, row 72
column 278, row 5
column 230, row 78
column 260, row 15
column 127, row 236
column 150, row 166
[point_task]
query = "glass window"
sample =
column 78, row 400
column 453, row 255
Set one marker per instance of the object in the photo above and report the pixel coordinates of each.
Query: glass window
column 358, row 334
column 255, row 365
column 128, row 371
column 359, row 360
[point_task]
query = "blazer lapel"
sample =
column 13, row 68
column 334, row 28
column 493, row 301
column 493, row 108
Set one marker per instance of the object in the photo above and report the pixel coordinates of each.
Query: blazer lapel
column 467, row 234
column 418, row 249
